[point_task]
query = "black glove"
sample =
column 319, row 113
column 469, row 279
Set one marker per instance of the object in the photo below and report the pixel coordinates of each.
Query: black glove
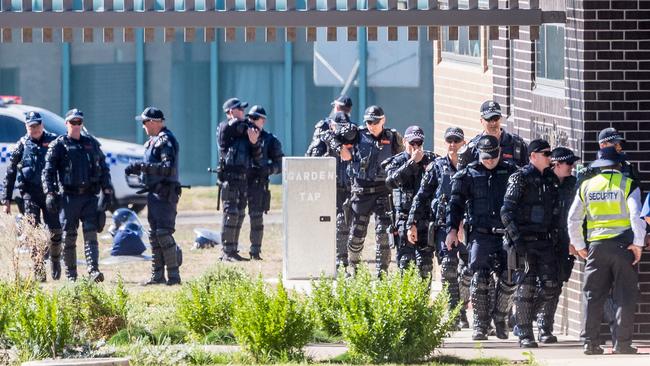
column 133, row 169
column 520, row 247
column 52, row 202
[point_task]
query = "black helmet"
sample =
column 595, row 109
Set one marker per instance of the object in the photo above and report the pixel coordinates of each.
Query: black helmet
column 123, row 217
column 256, row 111
column 373, row 114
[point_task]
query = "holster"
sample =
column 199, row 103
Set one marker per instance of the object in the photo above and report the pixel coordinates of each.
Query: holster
column 431, row 234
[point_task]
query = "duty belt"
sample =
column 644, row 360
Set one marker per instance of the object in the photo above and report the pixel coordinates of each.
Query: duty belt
column 234, row 176
column 490, row 231
column 78, row 190
column 369, row 190
column 535, row 236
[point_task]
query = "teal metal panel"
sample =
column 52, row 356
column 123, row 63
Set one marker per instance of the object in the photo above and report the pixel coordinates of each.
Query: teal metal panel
column 65, row 77
column 363, row 72
column 214, row 105
column 288, row 97
column 139, row 81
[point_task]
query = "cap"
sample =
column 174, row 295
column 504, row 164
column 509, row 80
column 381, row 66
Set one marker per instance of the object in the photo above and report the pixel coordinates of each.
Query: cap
column 74, row 113
column 343, row 101
column 233, row 103
column 610, row 134
column 414, row 133
column 454, row 132
column 373, row 114
column 538, row 145
column 256, row 111
column 490, row 109
column 608, row 156
column 488, row 147
column 33, row 118
column 563, row 155
column 151, row 113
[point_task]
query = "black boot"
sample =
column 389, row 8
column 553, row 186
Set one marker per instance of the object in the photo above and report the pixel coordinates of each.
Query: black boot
column 170, row 257
column 70, row 256
column 157, row 265
column 91, row 249
column 527, row 343
column 592, row 349
column 462, row 319
column 545, row 336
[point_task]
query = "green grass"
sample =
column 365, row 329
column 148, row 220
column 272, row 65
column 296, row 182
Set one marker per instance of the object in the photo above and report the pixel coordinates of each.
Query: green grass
column 205, row 198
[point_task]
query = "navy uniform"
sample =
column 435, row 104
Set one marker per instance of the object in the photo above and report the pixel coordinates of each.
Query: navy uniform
column 610, row 202
column 237, row 154
column 566, row 193
column 404, row 176
column 369, row 191
column 478, row 191
column 159, row 174
column 513, row 147
column 75, row 172
column 259, row 196
column 530, row 214
column 430, row 207
column 24, row 171
column 609, row 137
column 334, row 133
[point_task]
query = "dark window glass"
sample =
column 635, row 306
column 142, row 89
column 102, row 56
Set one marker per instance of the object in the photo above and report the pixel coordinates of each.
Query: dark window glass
column 11, row 129
column 549, row 52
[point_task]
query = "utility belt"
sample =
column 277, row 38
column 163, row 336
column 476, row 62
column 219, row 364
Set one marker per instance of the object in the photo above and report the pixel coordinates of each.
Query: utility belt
column 234, row 175
column 369, row 190
column 498, row 231
column 257, row 180
column 77, row 191
column 535, row 236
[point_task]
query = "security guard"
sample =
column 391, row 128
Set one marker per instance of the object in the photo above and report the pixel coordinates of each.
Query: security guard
column 341, row 106
column 159, row 174
column 479, row 188
column 373, row 145
column 259, row 196
column 513, row 147
column 611, row 203
column 239, row 148
column 563, row 161
column 75, row 172
column 340, row 131
column 404, row 174
column 430, row 208
column 530, row 214
column 24, row 172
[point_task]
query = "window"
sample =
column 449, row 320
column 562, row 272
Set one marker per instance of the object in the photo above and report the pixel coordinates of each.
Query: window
column 11, row 129
column 463, row 46
column 549, row 54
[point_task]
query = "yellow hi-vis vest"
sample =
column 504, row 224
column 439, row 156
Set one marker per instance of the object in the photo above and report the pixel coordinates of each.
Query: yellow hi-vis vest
column 605, row 198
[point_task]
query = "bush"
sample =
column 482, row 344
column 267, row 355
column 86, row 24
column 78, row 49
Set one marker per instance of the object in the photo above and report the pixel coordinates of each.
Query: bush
column 41, row 325
column 271, row 326
column 206, row 304
column 394, row 319
column 326, row 306
column 97, row 314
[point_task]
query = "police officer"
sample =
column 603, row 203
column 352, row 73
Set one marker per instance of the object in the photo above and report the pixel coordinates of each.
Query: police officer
column 259, row 196
column 24, row 172
column 75, row 172
column 610, row 202
column 159, row 174
column 513, row 147
column 563, row 161
column 530, row 214
column 341, row 106
column 610, row 137
column 340, row 132
column 430, row 208
column 239, row 148
column 373, row 145
column 479, row 188
column 404, row 174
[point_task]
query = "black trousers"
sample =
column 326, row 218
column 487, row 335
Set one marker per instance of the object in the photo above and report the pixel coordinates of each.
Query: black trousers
column 609, row 268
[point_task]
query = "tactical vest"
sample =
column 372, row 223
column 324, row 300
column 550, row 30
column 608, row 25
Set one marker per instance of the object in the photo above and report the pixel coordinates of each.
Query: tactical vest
column 539, row 201
column 370, row 153
column 152, row 152
column 487, row 191
column 403, row 197
column 82, row 163
column 33, row 161
column 605, row 198
column 238, row 156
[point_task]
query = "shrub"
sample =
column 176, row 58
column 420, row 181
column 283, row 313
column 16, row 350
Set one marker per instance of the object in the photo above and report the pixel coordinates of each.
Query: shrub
column 326, row 306
column 206, row 304
column 97, row 314
column 271, row 325
column 41, row 326
column 393, row 319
